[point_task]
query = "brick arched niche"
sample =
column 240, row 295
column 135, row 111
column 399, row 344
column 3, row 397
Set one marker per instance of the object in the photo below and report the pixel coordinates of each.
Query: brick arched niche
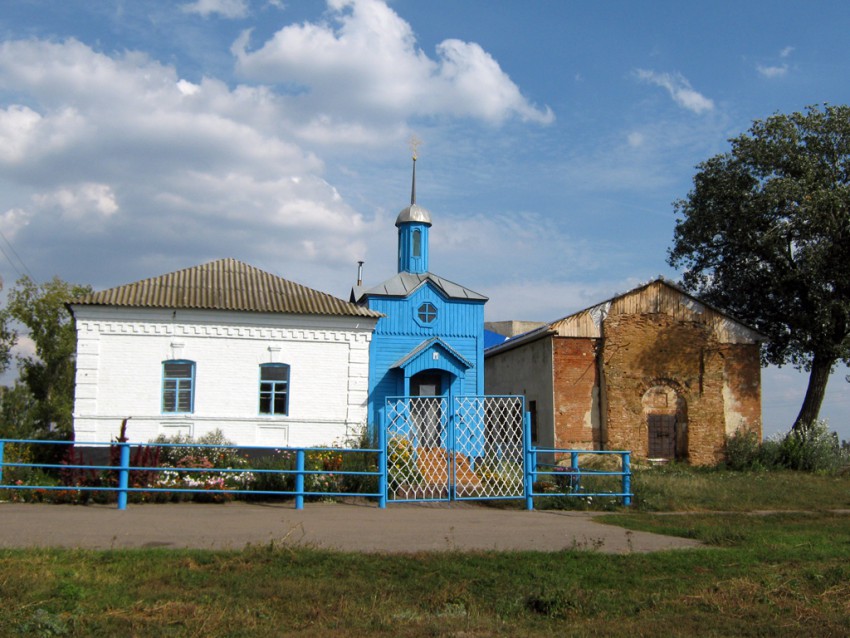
column 666, row 413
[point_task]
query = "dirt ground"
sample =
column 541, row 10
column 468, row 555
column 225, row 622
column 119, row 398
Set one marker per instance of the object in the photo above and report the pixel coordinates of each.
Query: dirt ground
column 355, row 527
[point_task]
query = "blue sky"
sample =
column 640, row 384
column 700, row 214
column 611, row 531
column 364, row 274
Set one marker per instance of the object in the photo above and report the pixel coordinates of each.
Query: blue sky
column 140, row 137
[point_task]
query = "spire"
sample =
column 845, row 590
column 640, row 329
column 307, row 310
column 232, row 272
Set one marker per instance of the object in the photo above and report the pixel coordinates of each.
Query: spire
column 413, row 184
column 413, row 223
column 414, row 148
column 414, row 213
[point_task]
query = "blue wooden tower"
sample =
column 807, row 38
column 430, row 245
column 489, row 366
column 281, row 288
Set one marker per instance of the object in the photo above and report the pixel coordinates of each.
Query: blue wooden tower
column 430, row 341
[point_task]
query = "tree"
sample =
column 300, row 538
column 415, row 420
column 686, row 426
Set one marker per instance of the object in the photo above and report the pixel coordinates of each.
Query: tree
column 44, row 395
column 765, row 234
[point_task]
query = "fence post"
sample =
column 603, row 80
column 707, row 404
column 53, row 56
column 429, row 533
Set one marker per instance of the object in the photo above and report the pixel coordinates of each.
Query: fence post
column 2, row 458
column 299, row 479
column 123, row 474
column 382, row 460
column 627, row 479
column 529, row 461
column 450, row 449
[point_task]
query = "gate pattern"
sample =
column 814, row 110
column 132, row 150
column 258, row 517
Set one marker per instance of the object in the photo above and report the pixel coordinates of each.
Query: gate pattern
column 472, row 451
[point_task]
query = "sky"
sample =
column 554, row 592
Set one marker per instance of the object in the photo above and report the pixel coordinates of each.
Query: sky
column 140, row 137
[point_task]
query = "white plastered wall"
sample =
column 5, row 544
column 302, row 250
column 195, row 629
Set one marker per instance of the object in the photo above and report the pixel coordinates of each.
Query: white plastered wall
column 119, row 374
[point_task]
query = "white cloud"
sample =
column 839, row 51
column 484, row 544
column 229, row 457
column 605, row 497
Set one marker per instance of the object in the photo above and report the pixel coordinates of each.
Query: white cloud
column 635, row 139
column 771, row 72
column 81, row 201
column 679, row 89
column 225, row 8
column 122, row 147
column 12, row 221
column 115, row 167
column 365, row 64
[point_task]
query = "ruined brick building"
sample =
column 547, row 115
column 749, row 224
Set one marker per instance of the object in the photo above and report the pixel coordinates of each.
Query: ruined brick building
column 653, row 370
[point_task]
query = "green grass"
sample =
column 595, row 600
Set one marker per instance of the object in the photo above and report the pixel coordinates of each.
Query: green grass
column 778, row 574
column 680, row 488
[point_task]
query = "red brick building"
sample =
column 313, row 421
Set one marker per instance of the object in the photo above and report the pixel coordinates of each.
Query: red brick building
column 654, row 371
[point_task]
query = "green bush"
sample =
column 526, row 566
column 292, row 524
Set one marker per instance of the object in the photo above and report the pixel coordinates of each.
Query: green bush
column 190, row 458
column 743, row 451
column 270, row 480
column 220, row 457
column 812, row 449
column 809, row 449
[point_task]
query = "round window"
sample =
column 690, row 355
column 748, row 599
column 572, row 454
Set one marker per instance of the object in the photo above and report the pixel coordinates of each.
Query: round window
column 427, row 312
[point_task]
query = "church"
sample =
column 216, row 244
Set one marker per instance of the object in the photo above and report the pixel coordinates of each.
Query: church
column 269, row 362
column 429, row 341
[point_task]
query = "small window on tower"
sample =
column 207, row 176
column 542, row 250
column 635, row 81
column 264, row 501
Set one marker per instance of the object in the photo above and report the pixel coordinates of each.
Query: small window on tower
column 427, row 312
column 417, row 243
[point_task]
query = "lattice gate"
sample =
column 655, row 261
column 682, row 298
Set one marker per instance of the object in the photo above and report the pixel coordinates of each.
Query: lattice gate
column 472, row 451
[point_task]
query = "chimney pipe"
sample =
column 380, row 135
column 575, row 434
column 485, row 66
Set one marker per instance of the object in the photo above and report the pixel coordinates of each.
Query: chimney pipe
column 359, row 273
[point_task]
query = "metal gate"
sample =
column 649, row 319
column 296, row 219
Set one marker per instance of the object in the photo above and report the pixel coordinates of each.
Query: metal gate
column 472, row 451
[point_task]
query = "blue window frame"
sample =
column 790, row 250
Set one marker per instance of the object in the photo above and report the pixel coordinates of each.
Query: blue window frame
column 274, row 388
column 178, row 386
column 417, row 243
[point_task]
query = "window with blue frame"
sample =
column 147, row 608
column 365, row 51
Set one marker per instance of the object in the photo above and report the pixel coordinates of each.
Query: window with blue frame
column 427, row 312
column 274, row 388
column 178, row 386
column 417, row 243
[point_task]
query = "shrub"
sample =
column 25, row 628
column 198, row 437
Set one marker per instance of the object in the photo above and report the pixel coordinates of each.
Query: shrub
column 808, row 449
column 190, row 457
column 743, row 451
column 272, row 481
column 812, row 449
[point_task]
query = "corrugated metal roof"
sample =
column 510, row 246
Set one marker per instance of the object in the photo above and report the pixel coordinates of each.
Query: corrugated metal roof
column 225, row 284
column 404, row 283
column 656, row 296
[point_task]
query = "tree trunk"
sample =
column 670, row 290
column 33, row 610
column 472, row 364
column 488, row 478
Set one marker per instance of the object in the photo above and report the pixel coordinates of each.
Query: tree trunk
column 818, row 378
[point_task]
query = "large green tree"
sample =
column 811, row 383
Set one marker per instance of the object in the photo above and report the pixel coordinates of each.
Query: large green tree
column 765, row 234
column 42, row 401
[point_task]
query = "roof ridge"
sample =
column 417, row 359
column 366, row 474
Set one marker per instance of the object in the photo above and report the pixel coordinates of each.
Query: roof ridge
column 225, row 284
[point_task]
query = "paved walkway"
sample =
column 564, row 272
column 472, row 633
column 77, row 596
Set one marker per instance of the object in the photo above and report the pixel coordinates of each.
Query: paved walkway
column 341, row 526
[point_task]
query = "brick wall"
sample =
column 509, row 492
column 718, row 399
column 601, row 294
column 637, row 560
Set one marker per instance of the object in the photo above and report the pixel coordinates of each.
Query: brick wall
column 647, row 356
column 576, row 393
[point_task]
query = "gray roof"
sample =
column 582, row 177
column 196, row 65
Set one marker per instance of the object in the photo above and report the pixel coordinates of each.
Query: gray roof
column 225, row 284
column 422, row 347
column 413, row 213
column 404, row 283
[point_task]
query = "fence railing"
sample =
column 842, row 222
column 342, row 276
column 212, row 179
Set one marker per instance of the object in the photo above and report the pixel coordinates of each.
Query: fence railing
column 303, row 472
column 135, row 468
column 575, row 481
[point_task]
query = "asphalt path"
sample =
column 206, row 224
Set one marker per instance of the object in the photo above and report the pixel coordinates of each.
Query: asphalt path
column 354, row 527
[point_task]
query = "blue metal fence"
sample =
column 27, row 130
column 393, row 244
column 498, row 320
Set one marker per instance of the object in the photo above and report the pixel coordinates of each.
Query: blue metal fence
column 124, row 469
column 541, row 479
column 573, row 480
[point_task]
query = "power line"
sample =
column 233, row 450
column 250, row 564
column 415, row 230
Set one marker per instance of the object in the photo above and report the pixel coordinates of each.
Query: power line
column 15, row 253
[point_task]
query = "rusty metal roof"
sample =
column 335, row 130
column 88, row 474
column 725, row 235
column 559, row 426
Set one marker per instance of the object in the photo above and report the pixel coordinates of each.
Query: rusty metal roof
column 225, row 284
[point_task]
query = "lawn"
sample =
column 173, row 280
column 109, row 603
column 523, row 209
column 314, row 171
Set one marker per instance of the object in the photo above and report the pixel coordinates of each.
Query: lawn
column 773, row 574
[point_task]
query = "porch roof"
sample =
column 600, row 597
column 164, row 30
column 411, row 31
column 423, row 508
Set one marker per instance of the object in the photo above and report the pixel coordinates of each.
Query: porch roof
column 427, row 345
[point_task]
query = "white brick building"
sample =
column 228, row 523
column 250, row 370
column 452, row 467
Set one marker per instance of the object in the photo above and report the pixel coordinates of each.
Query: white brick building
column 221, row 346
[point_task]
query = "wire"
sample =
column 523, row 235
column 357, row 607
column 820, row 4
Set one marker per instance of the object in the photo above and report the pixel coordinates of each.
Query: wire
column 15, row 253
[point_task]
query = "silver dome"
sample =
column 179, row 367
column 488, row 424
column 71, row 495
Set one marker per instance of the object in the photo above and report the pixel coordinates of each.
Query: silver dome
column 413, row 213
